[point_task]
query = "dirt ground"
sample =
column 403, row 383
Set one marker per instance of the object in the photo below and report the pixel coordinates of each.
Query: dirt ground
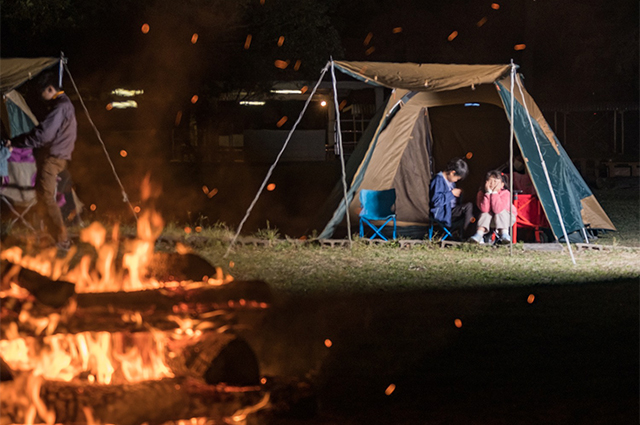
column 569, row 354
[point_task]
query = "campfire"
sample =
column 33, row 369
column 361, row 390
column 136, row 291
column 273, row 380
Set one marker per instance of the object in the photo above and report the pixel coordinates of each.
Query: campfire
column 118, row 333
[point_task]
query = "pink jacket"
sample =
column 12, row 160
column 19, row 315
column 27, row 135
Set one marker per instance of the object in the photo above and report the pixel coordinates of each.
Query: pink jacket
column 494, row 202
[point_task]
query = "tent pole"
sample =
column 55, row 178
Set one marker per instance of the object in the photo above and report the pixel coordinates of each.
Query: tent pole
column 546, row 174
column 63, row 60
column 513, row 75
column 339, row 142
column 584, row 234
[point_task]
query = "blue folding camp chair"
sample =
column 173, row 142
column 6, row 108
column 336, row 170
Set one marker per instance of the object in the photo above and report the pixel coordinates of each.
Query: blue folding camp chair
column 434, row 222
column 377, row 205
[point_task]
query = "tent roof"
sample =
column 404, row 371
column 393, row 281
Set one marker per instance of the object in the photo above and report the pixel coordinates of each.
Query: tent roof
column 423, row 77
column 15, row 71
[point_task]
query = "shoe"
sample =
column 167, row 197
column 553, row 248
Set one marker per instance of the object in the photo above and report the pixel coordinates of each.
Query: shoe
column 505, row 239
column 477, row 238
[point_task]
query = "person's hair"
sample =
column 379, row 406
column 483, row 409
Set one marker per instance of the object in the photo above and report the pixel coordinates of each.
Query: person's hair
column 496, row 174
column 459, row 167
column 47, row 79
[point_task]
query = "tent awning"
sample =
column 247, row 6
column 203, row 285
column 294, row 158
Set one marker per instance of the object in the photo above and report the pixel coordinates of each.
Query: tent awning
column 15, row 71
column 423, row 77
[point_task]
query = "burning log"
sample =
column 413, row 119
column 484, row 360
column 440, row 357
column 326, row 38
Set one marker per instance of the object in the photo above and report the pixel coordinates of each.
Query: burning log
column 153, row 402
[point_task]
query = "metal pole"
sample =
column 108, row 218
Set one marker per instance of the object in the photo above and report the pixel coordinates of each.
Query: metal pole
column 615, row 130
column 513, row 75
column 622, row 132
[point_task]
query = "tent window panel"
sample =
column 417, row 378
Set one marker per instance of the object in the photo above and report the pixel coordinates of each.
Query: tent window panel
column 482, row 130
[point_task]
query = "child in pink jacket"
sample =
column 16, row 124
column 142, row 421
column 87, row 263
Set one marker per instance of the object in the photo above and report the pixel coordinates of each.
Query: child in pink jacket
column 494, row 201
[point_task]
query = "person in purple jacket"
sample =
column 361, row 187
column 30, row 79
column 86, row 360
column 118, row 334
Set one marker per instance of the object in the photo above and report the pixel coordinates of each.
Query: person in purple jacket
column 445, row 202
column 53, row 141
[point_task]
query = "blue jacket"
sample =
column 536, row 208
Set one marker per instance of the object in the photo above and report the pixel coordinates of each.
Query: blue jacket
column 441, row 199
column 57, row 131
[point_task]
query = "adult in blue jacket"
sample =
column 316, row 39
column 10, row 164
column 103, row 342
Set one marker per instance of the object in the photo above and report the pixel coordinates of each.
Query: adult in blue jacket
column 53, row 141
column 445, row 197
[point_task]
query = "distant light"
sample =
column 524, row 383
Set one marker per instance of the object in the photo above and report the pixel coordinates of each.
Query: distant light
column 370, row 50
column 194, row 38
column 328, row 343
column 123, row 153
column 531, row 298
column 390, row 389
column 519, row 47
column 126, row 92
column 247, row 42
column 297, row 65
column 285, row 91
column 452, row 36
column 281, row 64
column 136, row 209
column 323, row 103
column 495, row 6
column 481, row 22
column 122, row 105
column 145, row 28
column 282, row 121
column 472, row 104
column 93, row 207
column 469, row 155
column 368, row 38
column 194, row 98
column 252, row 103
column 280, row 41
column 458, row 323
column 271, row 187
column 397, row 30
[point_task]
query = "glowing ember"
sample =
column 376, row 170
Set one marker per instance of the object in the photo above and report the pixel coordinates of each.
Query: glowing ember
column 495, row 6
column 271, row 187
column 280, row 41
column 194, row 98
column 390, row 389
column 328, row 343
column 109, row 107
column 458, row 323
column 368, row 38
column 452, row 36
column 519, row 47
column 178, row 118
column 281, row 122
column 123, row 153
column 296, row 66
column 469, row 155
column 194, row 38
column 304, row 89
column 397, row 30
column 247, row 42
column 281, row 64
column 481, row 22
column 93, row 207
column 145, row 28
column 531, row 298
column 370, row 50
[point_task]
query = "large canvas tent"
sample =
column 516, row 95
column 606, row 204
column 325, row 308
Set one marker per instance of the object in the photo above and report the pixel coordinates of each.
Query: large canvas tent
column 437, row 112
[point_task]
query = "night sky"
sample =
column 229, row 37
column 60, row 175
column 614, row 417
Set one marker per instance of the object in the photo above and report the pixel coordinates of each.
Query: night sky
column 569, row 50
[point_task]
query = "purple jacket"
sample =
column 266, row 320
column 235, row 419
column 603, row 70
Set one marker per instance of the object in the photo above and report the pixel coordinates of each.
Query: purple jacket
column 57, row 131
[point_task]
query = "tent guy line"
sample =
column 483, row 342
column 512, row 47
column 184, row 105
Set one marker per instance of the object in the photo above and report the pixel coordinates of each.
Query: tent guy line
column 273, row 166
